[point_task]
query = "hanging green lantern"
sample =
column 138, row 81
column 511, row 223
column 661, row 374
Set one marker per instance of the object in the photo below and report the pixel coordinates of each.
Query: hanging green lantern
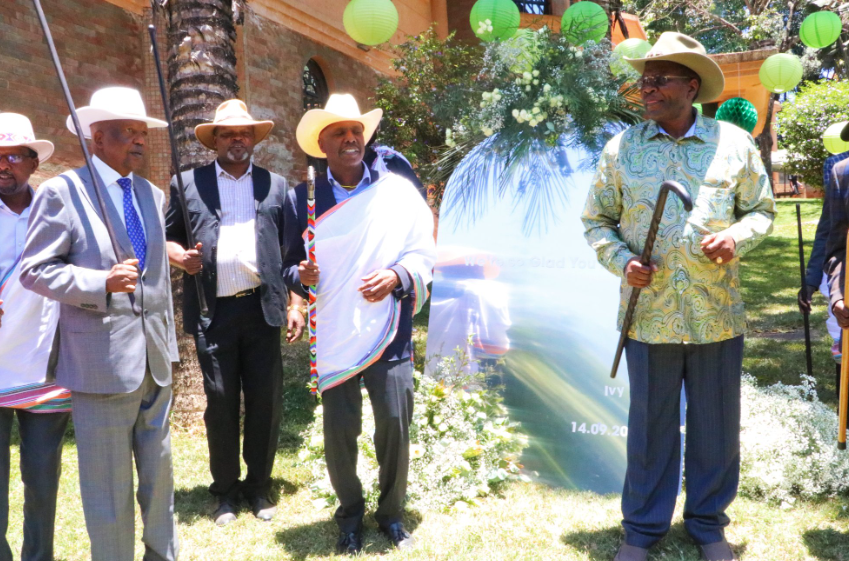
column 584, row 21
column 832, row 141
column 370, row 22
column 781, row 73
column 525, row 43
column 820, row 29
column 494, row 19
column 740, row 112
column 631, row 48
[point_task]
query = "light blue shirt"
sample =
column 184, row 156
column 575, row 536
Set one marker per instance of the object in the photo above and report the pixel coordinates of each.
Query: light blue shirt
column 340, row 193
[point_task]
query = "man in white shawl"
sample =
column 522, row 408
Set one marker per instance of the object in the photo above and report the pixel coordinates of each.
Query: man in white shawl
column 374, row 258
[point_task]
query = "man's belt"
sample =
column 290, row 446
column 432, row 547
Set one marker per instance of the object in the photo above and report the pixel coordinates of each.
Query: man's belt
column 247, row 292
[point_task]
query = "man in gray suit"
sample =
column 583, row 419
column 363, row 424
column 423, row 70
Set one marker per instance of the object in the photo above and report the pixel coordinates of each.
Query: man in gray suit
column 116, row 363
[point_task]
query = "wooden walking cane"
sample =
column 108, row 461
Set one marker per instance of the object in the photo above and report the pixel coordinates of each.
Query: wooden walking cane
column 175, row 163
column 311, row 257
column 645, row 258
column 844, row 366
column 99, row 188
column 805, row 315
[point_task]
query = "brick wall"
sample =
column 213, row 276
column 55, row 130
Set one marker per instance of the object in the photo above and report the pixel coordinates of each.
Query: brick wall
column 458, row 19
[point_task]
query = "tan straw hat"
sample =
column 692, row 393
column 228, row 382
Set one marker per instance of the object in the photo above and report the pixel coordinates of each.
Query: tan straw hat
column 113, row 104
column 340, row 108
column 686, row 51
column 16, row 130
column 232, row 113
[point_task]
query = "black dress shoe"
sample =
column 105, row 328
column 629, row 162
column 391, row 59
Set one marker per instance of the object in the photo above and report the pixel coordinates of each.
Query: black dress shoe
column 399, row 537
column 224, row 514
column 263, row 509
column 350, row 543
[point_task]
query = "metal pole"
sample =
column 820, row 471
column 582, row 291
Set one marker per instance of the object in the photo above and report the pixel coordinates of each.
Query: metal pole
column 805, row 315
column 175, row 163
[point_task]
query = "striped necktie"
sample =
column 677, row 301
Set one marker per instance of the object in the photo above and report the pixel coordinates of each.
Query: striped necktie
column 131, row 217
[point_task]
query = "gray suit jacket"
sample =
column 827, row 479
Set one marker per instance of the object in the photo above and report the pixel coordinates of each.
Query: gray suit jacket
column 103, row 347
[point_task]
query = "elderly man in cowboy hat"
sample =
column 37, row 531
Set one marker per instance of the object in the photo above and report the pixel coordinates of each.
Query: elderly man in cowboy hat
column 374, row 245
column 235, row 211
column 27, row 327
column 689, row 323
column 835, row 250
column 114, row 356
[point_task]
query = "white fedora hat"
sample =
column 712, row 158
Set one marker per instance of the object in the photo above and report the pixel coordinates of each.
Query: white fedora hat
column 232, row 113
column 16, row 130
column 686, row 51
column 339, row 109
column 113, row 104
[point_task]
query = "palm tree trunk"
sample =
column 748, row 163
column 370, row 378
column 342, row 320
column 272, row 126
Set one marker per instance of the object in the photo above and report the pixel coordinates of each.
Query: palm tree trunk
column 201, row 68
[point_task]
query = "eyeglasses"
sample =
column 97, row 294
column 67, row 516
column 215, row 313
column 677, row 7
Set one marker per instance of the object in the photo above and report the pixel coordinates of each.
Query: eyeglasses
column 14, row 158
column 658, row 81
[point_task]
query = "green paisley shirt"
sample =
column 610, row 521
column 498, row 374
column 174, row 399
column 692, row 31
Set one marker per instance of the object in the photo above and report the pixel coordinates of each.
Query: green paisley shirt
column 690, row 299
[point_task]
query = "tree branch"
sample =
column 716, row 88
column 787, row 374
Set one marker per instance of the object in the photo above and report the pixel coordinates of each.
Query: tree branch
column 724, row 22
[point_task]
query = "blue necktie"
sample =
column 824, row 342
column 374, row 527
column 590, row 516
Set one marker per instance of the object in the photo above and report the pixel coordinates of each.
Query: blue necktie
column 131, row 217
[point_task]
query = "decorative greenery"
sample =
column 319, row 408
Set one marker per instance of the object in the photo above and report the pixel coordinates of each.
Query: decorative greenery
column 463, row 446
column 740, row 112
column 820, row 29
column 802, row 122
column 788, row 444
column 781, row 72
column 494, row 19
column 631, row 48
column 370, row 22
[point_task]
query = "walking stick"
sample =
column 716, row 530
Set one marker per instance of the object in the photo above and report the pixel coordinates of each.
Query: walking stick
column 175, row 163
column 844, row 368
column 645, row 258
column 311, row 257
column 99, row 188
column 805, row 315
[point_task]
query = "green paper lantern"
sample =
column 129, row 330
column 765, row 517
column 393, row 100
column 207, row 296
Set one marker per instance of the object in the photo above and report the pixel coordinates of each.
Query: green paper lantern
column 370, row 22
column 820, row 29
column 698, row 107
column 631, row 48
column 831, row 139
column 494, row 19
column 740, row 112
column 781, row 73
column 584, row 21
column 526, row 43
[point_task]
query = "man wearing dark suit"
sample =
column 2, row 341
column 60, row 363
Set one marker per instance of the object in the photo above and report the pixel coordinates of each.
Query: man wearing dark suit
column 835, row 248
column 235, row 209
column 115, row 361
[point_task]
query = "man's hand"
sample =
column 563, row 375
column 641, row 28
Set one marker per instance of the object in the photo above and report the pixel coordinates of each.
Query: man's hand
column 379, row 284
column 309, row 273
column 841, row 313
column 719, row 248
column 123, row 276
column 804, row 298
column 295, row 324
column 637, row 274
column 192, row 261
column 1, row 314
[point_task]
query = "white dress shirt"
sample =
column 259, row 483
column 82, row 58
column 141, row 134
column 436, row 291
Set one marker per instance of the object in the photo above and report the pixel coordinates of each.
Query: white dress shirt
column 236, row 254
column 110, row 178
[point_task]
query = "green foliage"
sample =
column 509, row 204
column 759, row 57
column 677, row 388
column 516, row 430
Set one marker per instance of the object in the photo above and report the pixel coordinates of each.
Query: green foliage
column 802, row 123
column 434, row 78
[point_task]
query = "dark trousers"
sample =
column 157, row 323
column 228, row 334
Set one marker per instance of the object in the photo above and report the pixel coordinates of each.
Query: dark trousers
column 239, row 352
column 390, row 388
column 711, row 376
column 41, row 465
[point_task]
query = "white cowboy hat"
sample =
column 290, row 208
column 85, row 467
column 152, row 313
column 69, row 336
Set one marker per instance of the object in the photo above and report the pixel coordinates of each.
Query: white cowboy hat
column 232, row 113
column 686, row 51
column 340, row 108
column 113, row 104
column 16, row 130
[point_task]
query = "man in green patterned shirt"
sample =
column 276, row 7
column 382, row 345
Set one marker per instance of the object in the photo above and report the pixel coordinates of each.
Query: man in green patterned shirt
column 689, row 322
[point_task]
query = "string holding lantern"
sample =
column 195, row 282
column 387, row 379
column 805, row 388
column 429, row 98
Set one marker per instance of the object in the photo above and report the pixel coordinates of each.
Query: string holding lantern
column 584, row 21
column 781, row 72
column 631, row 48
column 820, row 29
column 494, row 19
column 831, row 138
column 370, row 22
column 740, row 112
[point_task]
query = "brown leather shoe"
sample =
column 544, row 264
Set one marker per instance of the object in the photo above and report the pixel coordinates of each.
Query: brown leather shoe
column 224, row 514
column 631, row 553
column 263, row 509
column 717, row 551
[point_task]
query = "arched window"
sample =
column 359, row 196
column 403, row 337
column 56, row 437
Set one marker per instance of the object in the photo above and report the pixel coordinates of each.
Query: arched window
column 538, row 7
column 315, row 97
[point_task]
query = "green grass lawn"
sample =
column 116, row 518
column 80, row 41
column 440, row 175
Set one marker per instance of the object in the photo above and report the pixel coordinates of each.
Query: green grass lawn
column 528, row 521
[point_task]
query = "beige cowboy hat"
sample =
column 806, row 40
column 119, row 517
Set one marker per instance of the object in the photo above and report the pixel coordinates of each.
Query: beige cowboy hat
column 686, row 51
column 16, row 130
column 113, row 104
column 232, row 113
column 340, row 108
